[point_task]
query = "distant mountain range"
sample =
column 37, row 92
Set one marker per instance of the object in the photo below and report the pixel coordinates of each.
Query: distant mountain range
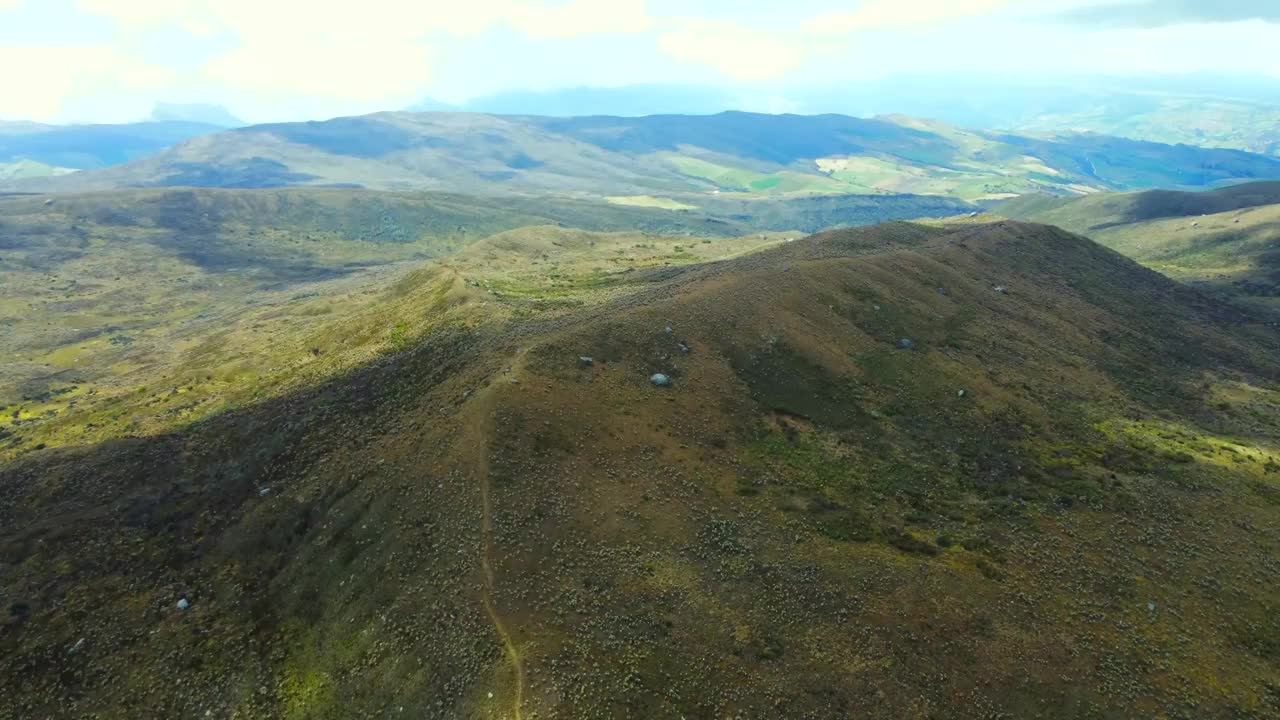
column 1223, row 111
column 684, row 157
column 1232, row 111
column 83, row 147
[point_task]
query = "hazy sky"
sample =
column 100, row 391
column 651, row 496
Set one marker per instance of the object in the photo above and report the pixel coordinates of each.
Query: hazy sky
column 109, row 60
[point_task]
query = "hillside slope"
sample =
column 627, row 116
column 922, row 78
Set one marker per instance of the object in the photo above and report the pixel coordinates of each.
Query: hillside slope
column 200, row 291
column 104, row 293
column 1058, row 500
column 689, row 158
column 1226, row 241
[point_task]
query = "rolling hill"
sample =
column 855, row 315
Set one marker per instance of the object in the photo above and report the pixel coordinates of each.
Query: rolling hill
column 103, row 293
column 972, row 471
column 684, row 159
column 1225, row 241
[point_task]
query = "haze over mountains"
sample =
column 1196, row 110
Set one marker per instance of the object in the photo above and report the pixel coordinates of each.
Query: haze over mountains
column 195, row 112
column 83, row 147
column 671, row 156
column 1209, row 110
column 1216, row 110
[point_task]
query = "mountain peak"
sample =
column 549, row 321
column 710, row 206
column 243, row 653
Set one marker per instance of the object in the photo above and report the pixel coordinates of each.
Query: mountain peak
column 206, row 113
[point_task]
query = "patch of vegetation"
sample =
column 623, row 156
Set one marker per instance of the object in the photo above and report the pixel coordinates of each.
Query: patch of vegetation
column 485, row 524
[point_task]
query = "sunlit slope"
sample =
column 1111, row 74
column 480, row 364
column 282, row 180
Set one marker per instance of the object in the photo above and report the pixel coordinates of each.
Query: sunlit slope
column 1056, row 500
column 143, row 310
column 671, row 160
column 1225, row 241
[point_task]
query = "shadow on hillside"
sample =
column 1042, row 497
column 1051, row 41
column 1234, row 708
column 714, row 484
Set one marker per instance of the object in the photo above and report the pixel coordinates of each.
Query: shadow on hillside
column 165, row 484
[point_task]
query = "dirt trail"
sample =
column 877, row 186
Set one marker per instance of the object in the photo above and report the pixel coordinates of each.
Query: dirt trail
column 475, row 438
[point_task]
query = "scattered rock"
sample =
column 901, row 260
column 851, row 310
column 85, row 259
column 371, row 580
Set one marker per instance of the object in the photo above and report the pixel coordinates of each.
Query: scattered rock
column 1001, row 289
column 961, row 393
column 585, row 361
column 684, row 347
column 183, row 604
column 668, row 330
column 660, row 380
column 906, row 344
column 264, row 492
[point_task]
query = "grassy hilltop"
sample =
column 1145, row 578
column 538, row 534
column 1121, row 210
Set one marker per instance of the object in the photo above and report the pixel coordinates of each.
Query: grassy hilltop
column 1058, row 499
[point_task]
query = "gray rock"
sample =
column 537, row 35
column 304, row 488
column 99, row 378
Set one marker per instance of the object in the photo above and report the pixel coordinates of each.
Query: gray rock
column 660, row 380
column 1001, row 289
column 183, row 604
column 585, row 361
column 264, row 492
column 906, row 344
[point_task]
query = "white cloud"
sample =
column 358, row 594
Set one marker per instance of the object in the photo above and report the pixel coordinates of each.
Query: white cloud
column 38, row 81
column 737, row 51
column 377, row 19
column 581, row 17
column 903, row 14
column 360, row 55
column 367, row 74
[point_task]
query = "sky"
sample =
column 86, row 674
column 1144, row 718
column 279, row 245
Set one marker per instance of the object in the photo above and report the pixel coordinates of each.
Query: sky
column 276, row 60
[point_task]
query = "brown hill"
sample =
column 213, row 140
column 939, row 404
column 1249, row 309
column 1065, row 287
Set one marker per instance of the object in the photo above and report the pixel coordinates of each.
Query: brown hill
column 986, row 471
